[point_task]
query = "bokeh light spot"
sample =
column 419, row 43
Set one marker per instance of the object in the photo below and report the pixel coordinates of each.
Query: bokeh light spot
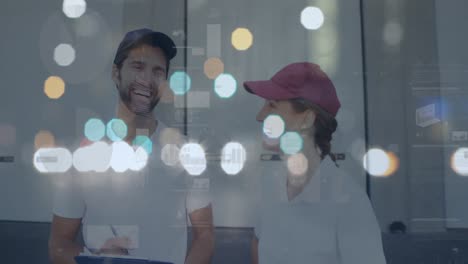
column 116, row 130
column 122, row 156
column 394, row 164
column 74, row 8
column 170, row 154
column 225, row 85
column 140, row 159
column 298, row 164
column 376, row 162
column 273, row 126
column 459, row 161
column 94, row 157
column 392, row 33
column 54, row 87
column 44, row 139
column 94, row 129
column 193, row 159
column 233, row 158
column 52, row 160
column 144, row 142
column 213, row 67
column 242, row 39
column 180, row 83
column 291, row 143
column 64, row 54
column 312, row 18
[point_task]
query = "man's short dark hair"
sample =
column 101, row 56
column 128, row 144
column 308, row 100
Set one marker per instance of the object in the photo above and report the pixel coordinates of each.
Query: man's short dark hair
column 123, row 55
column 137, row 38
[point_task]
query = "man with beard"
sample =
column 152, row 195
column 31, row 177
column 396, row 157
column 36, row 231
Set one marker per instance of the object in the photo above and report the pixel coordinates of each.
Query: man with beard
column 139, row 213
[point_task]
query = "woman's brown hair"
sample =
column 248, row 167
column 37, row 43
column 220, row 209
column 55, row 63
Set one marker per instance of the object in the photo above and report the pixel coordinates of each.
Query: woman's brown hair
column 325, row 125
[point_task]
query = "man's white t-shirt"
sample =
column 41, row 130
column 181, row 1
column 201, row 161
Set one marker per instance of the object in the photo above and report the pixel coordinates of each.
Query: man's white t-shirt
column 330, row 222
column 150, row 206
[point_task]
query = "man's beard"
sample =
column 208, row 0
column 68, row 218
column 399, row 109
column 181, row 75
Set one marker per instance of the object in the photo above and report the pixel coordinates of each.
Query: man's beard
column 133, row 104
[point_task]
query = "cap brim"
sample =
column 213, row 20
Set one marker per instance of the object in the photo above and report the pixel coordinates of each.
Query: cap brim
column 268, row 89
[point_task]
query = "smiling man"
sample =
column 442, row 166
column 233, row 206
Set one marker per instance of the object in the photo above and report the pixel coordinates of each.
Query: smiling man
column 140, row 213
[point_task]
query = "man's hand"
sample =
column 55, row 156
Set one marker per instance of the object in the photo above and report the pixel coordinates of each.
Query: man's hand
column 202, row 247
column 115, row 246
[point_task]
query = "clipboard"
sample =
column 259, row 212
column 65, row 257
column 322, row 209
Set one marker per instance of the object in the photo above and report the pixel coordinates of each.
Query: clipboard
column 114, row 259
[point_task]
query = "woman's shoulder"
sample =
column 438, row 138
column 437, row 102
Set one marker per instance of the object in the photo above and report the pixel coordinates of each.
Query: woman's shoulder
column 342, row 186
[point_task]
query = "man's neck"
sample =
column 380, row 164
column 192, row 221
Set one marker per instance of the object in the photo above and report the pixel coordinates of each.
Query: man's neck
column 136, row 124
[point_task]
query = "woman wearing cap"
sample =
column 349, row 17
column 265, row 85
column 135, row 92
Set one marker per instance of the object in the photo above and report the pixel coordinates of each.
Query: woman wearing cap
column 309, row 211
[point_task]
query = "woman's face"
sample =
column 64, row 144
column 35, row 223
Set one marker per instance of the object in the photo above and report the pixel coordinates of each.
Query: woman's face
column 293, row 121
column 284, row 109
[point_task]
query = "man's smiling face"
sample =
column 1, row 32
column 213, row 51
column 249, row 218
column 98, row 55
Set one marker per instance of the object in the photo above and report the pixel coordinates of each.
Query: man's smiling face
column 140, row 77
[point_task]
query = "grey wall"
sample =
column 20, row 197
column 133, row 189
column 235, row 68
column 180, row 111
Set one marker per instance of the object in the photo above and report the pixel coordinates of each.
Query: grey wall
column 400, row 78
column 33, row 31
column 453, row 58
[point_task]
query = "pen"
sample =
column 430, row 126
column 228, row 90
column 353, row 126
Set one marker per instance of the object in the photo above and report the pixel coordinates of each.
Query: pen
column 114, row 232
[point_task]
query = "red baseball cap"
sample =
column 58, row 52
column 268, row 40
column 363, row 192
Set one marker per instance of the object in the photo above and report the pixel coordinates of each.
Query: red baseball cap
column 299, row 80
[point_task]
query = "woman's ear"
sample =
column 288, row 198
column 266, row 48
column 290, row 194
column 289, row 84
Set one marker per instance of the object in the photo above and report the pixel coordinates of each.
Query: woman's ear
column 309, row 120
